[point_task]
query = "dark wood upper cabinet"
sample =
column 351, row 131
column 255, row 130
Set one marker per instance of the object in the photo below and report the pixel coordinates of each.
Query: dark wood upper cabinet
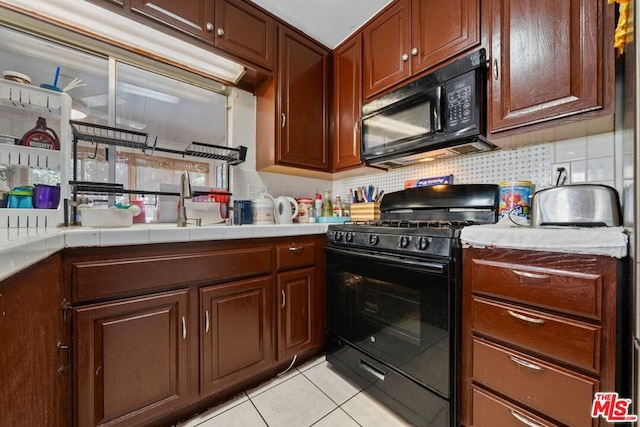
column 194, row 17
column 131, row 359
column 245, row 31
column 347, row 104
column 413, row 36
column 386, row 47
column 293, row 109
column 440, row 29
column 236, row 332
column 547, row 60
column 303, row 72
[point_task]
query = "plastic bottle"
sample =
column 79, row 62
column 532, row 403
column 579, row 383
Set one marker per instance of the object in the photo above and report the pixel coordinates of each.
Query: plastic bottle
column 337, row 208
column 318, row 204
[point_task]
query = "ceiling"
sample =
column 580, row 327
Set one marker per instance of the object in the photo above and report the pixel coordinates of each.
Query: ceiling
column 327, row 21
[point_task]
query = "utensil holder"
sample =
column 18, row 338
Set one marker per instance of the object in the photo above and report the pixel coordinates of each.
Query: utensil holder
column 369, row 211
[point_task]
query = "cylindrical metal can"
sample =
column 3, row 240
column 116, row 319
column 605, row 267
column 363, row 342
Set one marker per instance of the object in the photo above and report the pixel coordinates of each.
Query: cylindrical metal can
column 515, row 198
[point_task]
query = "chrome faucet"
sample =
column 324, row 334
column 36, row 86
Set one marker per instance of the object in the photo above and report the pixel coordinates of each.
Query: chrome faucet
column 185, row 193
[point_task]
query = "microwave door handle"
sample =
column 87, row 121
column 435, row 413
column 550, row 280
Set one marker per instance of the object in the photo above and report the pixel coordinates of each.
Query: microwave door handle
column 437, row 110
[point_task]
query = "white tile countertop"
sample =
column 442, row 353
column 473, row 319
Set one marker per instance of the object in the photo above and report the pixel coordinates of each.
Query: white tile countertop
column 21, row 247
column 606, row 241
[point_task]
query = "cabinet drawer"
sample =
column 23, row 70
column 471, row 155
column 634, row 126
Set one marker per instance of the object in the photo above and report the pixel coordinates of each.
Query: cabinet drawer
column 295, row 255
column 563, row 339
column 491, row 411
column 113, row 277
column 571, row 292
column 557, row 392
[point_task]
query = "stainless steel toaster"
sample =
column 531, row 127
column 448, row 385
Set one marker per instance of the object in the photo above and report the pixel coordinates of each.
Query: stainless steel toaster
column 583, row 205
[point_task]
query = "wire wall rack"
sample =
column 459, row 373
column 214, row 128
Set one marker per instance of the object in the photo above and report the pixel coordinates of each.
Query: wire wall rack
column 100, row 134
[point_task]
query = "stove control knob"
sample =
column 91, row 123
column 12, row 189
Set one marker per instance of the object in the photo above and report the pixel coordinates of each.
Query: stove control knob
column 373, row 239
column 403, row 241
column 422, row 243
column 338, row 236
column 348, row 237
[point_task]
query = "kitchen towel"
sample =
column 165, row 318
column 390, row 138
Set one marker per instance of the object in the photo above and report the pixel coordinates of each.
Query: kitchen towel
column 608, row 241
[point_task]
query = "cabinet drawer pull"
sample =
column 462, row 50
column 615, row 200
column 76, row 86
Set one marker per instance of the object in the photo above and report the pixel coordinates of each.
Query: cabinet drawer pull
column 206, row 321
column 531, row 275
column 220, row 32
column 524, row 420
column 495, row 69
column 284, row 298
column 525, row 363
column 525, row 318
column 296, row 249
column 184, row 328
column 414, row 51
column 405, row 57
column 284, row 120
column 209, row 26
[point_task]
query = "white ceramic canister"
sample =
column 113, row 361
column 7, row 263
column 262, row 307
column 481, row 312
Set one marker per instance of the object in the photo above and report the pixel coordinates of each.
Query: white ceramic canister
column 262, row 208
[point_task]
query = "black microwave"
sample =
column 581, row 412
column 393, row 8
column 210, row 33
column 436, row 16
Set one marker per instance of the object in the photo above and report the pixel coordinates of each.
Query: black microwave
column 440, row 114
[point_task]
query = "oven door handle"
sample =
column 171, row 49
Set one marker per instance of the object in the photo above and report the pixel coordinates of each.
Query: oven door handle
column 423, row 266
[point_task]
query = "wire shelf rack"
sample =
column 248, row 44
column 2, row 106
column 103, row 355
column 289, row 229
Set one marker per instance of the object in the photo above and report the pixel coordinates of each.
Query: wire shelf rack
column 232, row 155
column 100, row 134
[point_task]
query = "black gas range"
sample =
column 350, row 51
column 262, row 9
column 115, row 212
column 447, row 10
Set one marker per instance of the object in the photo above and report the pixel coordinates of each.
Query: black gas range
column 393, row 305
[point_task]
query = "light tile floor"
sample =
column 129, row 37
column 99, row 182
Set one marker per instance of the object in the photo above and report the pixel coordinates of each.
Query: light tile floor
column 311, row 395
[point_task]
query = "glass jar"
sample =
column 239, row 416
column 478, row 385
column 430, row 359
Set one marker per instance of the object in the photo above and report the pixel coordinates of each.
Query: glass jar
column 327, row 206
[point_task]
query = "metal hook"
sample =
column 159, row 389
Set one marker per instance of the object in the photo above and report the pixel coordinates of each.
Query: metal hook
column 95, row 153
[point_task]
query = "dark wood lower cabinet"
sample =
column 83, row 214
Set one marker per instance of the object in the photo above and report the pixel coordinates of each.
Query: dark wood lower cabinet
column 131, row 358
column 236, row 332
column 150, row 349
column 35, row 379
column 295, row 318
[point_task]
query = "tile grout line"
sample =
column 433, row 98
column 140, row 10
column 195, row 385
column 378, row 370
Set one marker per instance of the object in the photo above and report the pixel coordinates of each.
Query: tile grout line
column 339, row 406
column 258, row 411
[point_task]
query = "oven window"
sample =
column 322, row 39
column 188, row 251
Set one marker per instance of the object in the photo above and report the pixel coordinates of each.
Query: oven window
column 395, row 314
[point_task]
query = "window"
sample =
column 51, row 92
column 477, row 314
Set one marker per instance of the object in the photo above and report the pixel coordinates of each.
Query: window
column 172, row 110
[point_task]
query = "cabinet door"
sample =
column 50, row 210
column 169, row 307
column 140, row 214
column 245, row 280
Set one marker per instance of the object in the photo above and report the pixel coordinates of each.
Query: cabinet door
column 441, row 29
column 295, row 311
column 304, row 95
column 194, row 17
column 386, row 49
column 35, row 381
column 546, row 60
column 347, row 104
column 245, row 31
column 131, row 358
column 236, row 332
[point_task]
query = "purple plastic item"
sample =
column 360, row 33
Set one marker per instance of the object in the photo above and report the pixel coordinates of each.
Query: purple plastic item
column 46, row 196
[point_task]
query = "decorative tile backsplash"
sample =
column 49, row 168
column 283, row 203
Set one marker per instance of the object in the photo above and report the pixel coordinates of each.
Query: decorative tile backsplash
column 524, row 164
column 589, row 159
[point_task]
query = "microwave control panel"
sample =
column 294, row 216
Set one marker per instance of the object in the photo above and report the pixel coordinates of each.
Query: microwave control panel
column 460, row 102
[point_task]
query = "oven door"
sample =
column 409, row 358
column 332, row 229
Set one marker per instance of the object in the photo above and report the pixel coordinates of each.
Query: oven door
column 396, row 310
